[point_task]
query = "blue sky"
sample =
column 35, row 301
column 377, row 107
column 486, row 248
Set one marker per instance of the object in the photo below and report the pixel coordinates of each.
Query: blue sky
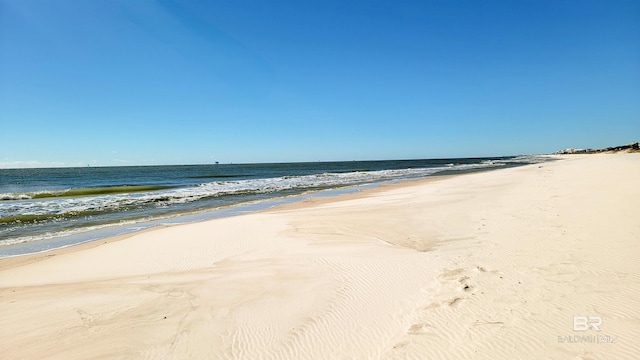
column 181, row 82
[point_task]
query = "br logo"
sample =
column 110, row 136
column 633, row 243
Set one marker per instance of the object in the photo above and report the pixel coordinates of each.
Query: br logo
column 584, row 323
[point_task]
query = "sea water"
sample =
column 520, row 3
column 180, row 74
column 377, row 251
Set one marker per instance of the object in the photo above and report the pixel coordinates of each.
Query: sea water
column 54, row 207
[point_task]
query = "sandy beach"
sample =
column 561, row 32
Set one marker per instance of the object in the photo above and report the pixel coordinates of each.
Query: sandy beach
column 539, row 261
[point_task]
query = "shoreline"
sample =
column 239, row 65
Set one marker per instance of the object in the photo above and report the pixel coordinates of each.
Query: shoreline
column 316, row 198
column 484, row 265
column 29, row 225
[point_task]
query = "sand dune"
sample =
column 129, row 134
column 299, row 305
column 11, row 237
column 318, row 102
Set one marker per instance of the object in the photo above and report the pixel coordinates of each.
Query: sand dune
column 486, row 265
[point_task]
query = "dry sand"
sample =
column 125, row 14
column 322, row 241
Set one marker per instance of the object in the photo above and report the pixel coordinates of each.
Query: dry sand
column 486, row 265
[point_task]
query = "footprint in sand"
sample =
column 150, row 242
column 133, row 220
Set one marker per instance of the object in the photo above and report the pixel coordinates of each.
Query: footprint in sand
column 419, row 329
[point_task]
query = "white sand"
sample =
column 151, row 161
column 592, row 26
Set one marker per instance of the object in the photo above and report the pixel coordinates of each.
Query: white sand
column 487, row 265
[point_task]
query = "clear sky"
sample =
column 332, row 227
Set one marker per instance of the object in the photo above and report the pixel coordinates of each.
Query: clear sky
column 124, row 82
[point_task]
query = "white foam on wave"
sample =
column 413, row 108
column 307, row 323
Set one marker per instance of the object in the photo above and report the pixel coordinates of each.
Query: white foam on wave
column 10, row 196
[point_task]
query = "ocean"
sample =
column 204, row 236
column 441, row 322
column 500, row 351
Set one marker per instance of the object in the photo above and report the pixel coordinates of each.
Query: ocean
column 41, row 209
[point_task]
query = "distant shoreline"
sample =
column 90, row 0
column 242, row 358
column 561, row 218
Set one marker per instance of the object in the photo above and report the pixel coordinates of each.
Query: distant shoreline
column 629, row 148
